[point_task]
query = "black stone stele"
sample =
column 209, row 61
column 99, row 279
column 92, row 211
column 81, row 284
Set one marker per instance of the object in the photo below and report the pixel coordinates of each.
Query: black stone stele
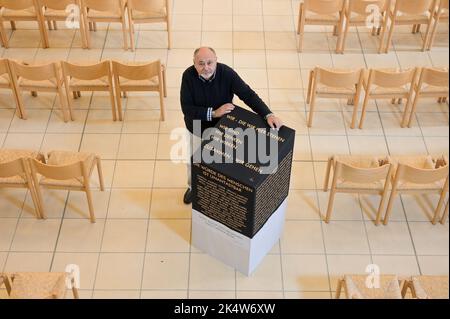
column 240, row 195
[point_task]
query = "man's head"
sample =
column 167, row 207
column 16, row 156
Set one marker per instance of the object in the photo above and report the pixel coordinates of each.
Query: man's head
column 205, row 62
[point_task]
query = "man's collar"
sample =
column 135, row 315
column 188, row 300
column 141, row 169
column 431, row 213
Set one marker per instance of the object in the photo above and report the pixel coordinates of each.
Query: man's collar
column 210, row 79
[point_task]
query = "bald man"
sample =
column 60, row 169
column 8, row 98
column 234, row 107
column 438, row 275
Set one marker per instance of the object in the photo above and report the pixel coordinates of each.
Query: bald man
column 207, row 91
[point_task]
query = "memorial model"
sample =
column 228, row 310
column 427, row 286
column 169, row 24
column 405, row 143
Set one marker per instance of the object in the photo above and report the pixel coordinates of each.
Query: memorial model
column 240, row 182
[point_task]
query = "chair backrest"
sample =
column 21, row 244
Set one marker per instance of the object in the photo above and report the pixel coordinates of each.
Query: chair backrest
column 443, row 5
column 57, row 4
column 363, row 7
column 12, row 168
column 337, row 78
column 37, row 285
column 413, row 7
column 148, row 5
column 58, row 172
column 434, row 77
column 137, row 72
column 324, row 6
column 86, row 72
column 407, row 173
column 430, row 287
column 103, row 5
column 35, row 72
column 17, row 4
column 391, row 79
column 361, row 175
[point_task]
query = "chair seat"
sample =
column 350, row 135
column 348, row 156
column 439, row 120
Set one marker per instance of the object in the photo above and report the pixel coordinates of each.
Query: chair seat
column 8, row 155
column 323, row 89
column 431, row 287
column 102, row 82
column 38, row 286
column 94, row 14
column 360, row 161
column 357, row 287
column 378, row 90
column 318, row 18
column 153, row 82
column 413, row 19
column 24, row 13
column 430, row 89
column 58, row 14
column 378, row 185
column 51, row 83
column 141, row 15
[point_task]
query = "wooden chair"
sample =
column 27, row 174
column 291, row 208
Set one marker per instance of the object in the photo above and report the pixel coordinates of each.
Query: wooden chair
column 144, row 77
column 38, row 285
column 427, row 287
column 411, row 12
column 445, row 215
column 92, row 77
column 40, row 78
column 67, row 170
column 15, row 172
column 357, row 287
column 358, row 174
column 6, row 82
column 441, row 14
column 148, row 11
column 334, row 83
column 104, row 11
column 389, row 84
column 432, row 83
column 321, row 12
column 55, row 10
column 21, row 10
column 357, row 14
column 419, row 174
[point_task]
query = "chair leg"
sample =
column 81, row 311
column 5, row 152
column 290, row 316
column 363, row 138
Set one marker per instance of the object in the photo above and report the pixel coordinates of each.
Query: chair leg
column 330, row 205
column 118, row 99
column 100, row 174
column 310, row 82
column 67, row 114
column 55, row 26
column 439, row 207
column 344, row 37
column 3, row 37
column 327, row 175
column 49, row 25
column 35, row 200
column 406, row 111
column 363, row 111
column 389, row 207
column 113, row 105
column 433, row 34
column 164, row 78
column 406, row 285
column 413, row 110
column 161, row 104
column 312, row 105
column 444, row 216
column 124, row 34
column 389, row 39
column 339, row 288
column 90, row 204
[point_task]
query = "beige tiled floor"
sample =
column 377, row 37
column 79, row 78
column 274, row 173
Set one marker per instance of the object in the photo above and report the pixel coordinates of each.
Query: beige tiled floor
column 140, row 244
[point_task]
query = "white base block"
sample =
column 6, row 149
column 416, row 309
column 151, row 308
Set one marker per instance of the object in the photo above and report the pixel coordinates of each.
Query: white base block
column 233, row 248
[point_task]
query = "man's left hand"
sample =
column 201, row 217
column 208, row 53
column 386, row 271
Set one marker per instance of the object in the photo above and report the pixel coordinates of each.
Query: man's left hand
column 274, row 122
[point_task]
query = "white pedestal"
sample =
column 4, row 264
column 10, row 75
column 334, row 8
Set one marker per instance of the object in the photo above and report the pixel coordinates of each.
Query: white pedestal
column 233, row 248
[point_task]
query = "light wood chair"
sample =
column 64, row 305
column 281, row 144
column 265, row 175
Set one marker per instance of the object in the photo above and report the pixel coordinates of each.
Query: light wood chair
column 40, row 78
column 38, row 285
column 419, row 175
column 6, row 82
column 445, row 215
column 334, row 83
column 21, row 10
column 411, row 12
column 149, row 11
column 441, row 14
column 143, row 77
column 321, row 12
column 357, row 287
column 15, row 172
column 92, row 77
column 432, row 83
column 67, row 170
column 55, row 10
column 389, row 84
column 357, row 14
column 94, row 11
column 358, row 174
column 427, row 287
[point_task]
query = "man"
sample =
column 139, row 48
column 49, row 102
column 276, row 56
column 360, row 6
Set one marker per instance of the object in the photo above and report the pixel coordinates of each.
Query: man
column 207, row 91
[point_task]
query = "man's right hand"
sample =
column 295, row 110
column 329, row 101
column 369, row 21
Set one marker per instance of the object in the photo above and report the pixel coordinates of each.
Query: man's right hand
column 224, row 109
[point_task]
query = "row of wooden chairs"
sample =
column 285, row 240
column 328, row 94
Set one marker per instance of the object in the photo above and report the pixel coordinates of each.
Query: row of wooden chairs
column 106, row 76
column 345, row 13
column 392, row 287
column 60, row 170
column 89, row 12
column 38, row 285
column 411, row 84
column 399, row 175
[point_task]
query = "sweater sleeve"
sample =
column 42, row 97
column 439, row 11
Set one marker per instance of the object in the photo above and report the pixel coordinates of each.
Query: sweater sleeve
column 190, row 110
column 246, row 94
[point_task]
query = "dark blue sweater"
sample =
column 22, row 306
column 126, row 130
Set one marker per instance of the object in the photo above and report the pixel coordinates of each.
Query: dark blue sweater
column 197, row 95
